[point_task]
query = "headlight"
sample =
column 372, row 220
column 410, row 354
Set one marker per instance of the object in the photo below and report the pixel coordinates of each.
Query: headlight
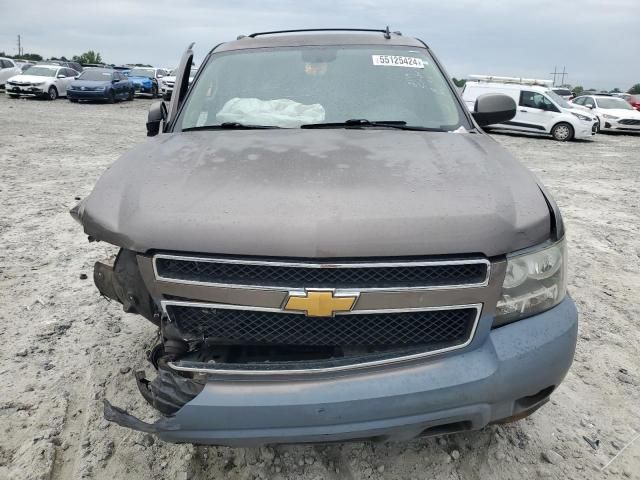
column 534, row 282
column 37, row 84
column 582, row 117
column 610, row 117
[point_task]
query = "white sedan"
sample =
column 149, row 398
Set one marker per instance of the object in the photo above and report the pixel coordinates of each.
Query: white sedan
column 167, row 83
column 8, row 69
column 613, row 113
column 47, row 81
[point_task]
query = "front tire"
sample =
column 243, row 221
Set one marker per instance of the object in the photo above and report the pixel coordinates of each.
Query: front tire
column 154, row 91
column 562, row 132
column 111, row 98
column 73, row 100
column 132, row 93
column 11, row 95
column 52, row 93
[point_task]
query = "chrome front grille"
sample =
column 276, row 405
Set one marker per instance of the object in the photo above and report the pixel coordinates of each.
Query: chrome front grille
column 428, row 328
column 403, row 309
column 307, row 274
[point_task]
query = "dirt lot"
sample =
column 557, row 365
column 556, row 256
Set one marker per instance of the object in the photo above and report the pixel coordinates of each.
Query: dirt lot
column 65, row 348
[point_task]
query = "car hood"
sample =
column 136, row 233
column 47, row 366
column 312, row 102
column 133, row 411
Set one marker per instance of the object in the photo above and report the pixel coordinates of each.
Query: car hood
column 318, row 193
column 90, row 83
column 581, row 110
column 139, row 79
column 29, row 78
column 621, row 113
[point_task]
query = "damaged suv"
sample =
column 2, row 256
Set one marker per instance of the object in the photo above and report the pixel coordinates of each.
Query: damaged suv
column 332, row 249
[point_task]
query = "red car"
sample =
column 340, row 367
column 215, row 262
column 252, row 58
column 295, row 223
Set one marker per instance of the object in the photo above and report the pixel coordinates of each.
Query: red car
column 634, row 100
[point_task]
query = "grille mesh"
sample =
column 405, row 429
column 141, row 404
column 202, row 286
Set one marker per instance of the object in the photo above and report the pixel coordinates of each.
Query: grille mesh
column 425, row 328
column 629, row 121
column 300, row 276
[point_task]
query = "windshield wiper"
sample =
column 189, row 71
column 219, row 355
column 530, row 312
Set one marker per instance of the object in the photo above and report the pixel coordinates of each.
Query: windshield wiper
column 364, row 123
column 229, row 126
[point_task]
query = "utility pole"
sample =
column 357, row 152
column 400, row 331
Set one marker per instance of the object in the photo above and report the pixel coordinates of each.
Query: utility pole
column 554, row 73
column 564, row 72
column 19, row 47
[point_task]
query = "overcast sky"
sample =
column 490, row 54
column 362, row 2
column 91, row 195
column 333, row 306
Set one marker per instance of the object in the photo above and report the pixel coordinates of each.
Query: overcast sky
column 597, row 41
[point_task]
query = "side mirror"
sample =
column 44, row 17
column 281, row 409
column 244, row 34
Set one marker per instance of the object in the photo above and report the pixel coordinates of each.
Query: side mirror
column 157, row 115
column 492, row 108
column 590, row 107
column 160, row 76
column 114, row 80
column 62, row 76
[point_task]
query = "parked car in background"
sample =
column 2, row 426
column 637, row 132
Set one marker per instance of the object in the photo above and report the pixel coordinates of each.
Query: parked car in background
column 540, row 109
column 8, row 69
column 146, row 80
column 24, row 66
column 167, row 83
column 73, row 65
column 634, row 100
column 101, row 84
column 613, row 113
column 47, row 81
column 563, row 92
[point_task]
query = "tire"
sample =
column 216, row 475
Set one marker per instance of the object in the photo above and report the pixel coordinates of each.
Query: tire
column 111, row 97
column 132, row 94
column 563, row 132
column 154, row 91
column 52, row 93
column 73, row 100
column 11, row 95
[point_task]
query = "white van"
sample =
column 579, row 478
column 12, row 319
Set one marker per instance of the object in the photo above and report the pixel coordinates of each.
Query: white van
column 540, row 109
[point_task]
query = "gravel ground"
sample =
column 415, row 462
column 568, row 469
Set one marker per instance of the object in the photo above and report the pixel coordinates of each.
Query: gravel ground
column 66, row 348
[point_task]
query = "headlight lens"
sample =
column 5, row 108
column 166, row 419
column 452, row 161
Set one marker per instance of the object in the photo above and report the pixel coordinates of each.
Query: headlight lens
column 534, row 282
column 582, row 117
column 610, row 117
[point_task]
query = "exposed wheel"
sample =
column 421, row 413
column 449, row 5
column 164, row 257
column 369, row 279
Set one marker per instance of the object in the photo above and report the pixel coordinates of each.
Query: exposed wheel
column 11, row 95
column 562, row 132
column 111, row 98
column 154, row 91
column 52, row 93
column 132, row 93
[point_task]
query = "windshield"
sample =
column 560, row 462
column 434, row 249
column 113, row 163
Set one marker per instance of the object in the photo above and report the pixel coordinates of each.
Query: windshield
column 293, row 86
column 558, row 99
column 609, row 103
column 562, row 91
column 43, row 71
column 97, row 75
column 142, row 72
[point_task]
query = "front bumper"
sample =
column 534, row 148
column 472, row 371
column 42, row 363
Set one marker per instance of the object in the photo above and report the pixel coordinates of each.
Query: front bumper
column 511, row 373
column 143, row 89
column 86, row 95
column 24, row 90
column 613, row 125
column 586, row 130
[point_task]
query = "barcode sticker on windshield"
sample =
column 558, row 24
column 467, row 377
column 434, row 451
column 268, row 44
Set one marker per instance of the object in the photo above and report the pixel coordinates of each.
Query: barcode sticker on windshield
column 397, row 61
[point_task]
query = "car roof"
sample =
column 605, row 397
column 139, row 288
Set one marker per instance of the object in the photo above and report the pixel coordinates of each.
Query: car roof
column 512, row 86
column 48, row 65
column 317, row 39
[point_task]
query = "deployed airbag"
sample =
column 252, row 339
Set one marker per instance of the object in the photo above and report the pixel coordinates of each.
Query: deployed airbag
column 283, row 112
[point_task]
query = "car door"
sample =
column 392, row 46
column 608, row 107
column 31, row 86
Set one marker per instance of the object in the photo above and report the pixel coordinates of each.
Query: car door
column 536, row 112
column 116, row 83
column 7, row 70
column 123, row 84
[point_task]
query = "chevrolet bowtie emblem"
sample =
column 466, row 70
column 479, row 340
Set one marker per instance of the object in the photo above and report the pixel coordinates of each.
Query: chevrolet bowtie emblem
column 320, row 303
